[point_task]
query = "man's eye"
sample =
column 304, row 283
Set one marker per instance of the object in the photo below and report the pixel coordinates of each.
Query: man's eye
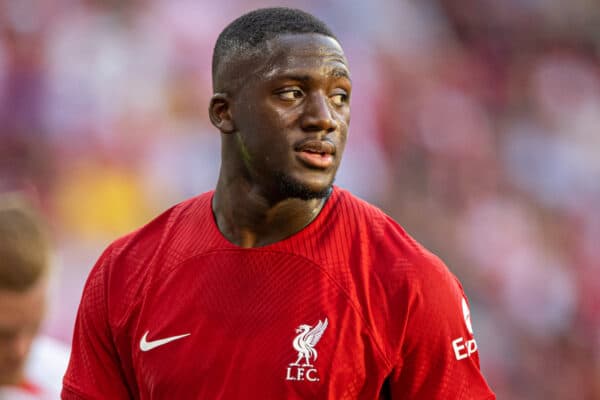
column 339, row 99
column 292, row 94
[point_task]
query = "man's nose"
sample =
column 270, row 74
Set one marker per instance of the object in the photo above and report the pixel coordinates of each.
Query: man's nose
column 318, row 115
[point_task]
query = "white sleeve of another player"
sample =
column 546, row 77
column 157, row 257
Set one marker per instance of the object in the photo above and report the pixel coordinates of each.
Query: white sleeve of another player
column 47, row 365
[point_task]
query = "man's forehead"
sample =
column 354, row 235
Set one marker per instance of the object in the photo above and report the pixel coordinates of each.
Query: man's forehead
column 289, row 52
column 303, row 45
column 309, row 42
column 284, row 54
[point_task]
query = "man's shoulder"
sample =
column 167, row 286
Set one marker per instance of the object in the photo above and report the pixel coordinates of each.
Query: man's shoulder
column 133, row 261
column 375, row 225
column 356, row 210
column 170, row 232
column 132, row 264
column 393, row 249
column 354, row 205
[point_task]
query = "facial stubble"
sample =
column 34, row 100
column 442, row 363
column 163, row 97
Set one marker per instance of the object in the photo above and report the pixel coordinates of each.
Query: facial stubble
column 290, row 187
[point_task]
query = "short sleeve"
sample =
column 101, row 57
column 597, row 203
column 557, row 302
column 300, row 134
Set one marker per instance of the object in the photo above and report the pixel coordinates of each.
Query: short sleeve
column 439, row 357
column 94, row 370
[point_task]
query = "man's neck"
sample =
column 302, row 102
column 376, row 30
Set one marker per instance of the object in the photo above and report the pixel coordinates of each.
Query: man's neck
column 247, row 218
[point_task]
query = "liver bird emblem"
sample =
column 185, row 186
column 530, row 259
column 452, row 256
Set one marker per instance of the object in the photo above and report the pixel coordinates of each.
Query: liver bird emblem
column 305, row 342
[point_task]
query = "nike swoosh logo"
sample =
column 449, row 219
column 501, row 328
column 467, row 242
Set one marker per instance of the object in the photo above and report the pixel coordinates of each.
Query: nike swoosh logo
column 146, row 345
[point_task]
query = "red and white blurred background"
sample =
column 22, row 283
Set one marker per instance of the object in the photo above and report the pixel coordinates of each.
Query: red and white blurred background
column 476, row 124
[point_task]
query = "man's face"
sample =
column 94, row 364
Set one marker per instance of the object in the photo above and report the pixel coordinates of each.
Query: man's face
column 292, row 114
column 21, row 314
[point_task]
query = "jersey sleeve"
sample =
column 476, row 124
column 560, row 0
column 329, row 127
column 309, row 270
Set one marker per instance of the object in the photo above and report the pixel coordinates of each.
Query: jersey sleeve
column 94, row 370
column 438, row 358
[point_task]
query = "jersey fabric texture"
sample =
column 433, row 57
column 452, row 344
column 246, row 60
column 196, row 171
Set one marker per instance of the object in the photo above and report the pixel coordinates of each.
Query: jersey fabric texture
column 350, row 307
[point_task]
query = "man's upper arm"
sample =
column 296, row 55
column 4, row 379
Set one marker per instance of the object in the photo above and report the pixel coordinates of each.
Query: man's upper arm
column 94, row 370
column 439, row 357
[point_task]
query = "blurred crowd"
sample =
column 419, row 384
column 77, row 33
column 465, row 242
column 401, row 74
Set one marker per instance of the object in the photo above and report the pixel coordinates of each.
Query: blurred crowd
column 476, row 125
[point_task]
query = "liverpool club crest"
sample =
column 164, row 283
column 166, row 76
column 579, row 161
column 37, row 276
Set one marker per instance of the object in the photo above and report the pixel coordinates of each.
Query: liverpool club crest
column 304, row 343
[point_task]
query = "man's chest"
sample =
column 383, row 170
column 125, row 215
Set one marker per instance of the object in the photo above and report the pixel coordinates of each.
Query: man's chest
column 260, row 327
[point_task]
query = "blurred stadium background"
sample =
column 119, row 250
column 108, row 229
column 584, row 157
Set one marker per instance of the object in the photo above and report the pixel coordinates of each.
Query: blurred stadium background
column 476, row 124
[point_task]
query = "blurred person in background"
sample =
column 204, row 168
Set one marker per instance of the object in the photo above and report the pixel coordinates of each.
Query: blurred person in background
column 31, row 365
column 231, row 293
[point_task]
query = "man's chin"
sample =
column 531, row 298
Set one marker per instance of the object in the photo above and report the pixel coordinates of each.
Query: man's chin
column 293, row 188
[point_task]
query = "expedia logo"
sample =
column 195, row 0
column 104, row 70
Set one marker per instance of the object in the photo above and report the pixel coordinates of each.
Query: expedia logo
column 462, row 347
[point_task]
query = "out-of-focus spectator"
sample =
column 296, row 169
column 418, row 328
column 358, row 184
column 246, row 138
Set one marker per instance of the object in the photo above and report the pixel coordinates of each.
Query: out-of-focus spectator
column 31, row 365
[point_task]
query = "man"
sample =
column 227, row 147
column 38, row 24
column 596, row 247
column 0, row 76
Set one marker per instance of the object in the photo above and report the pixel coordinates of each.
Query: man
column 31, row 366
column 277, row 285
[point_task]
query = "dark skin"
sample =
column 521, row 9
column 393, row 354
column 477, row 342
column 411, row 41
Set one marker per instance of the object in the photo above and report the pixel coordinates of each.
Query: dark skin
column 283, row 113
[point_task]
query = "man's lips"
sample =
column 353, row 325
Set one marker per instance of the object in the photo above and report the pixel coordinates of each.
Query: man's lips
column 316, row 153
column 316, row 146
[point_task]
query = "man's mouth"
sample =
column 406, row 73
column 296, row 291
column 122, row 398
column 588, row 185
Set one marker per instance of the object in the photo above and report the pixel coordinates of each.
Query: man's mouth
column 316, row 153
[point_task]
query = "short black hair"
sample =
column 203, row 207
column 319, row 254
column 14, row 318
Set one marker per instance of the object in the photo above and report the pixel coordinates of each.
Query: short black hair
column 256, row 27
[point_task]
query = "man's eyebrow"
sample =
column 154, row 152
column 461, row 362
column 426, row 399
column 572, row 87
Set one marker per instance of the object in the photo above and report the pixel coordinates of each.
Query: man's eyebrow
column 335, row 73
column 294, row 77
column 340, row 73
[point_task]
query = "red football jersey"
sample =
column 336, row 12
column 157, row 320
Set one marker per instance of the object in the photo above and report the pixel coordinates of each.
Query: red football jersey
column 350, row 307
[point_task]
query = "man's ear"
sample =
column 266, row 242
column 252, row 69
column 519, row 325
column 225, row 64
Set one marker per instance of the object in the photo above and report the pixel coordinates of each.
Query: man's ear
column 219, row 112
